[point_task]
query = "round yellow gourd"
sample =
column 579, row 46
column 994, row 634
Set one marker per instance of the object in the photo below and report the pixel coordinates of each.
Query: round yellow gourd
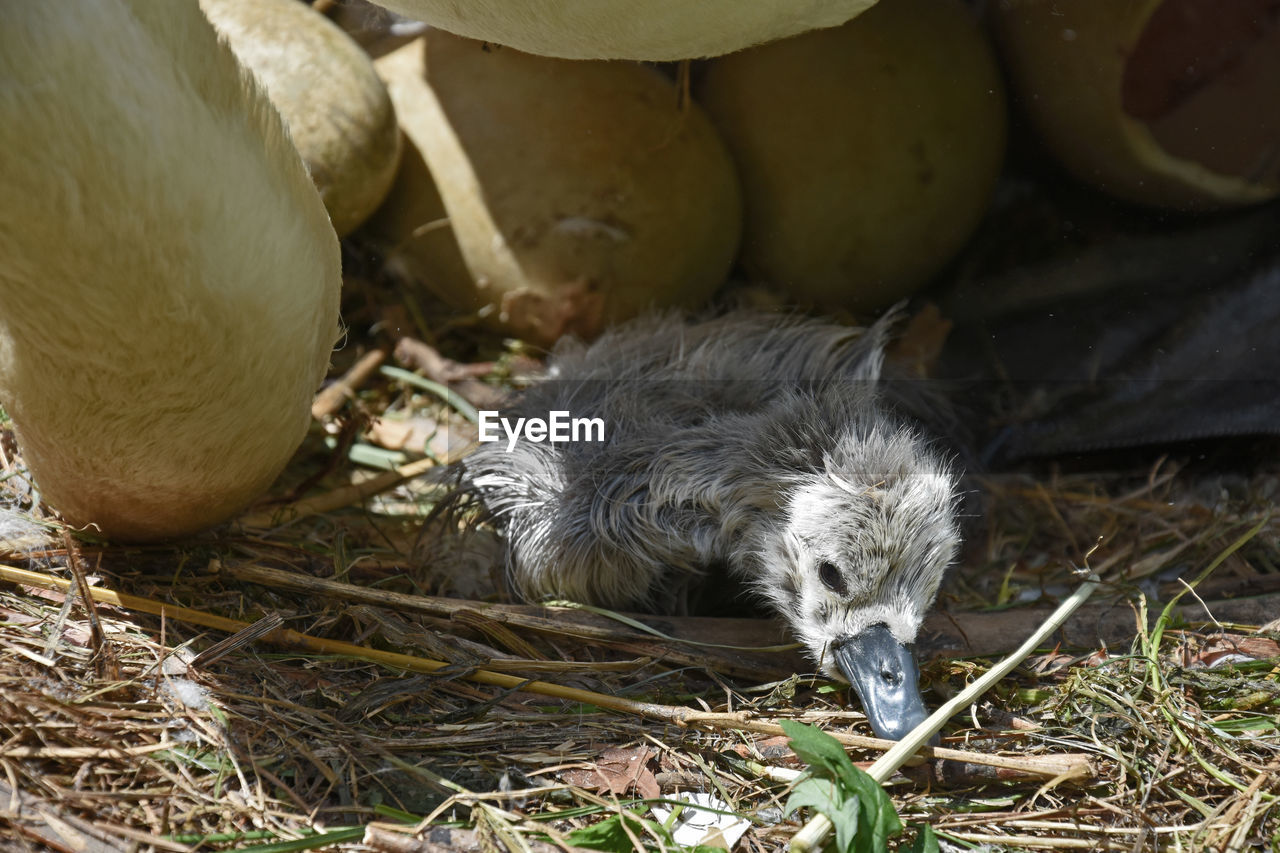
column 1170, row 103
column 867, row 152
column 552, row 196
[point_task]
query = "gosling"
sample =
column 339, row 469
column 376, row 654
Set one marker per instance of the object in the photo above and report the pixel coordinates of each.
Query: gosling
column 751, row 441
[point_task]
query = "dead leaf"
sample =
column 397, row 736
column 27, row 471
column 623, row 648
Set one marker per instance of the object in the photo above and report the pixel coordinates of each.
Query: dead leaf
column 775, row 750
column 410, row 434
column 1056, row 661
column 617, row 771
column 1233, row 648
column 419, row 355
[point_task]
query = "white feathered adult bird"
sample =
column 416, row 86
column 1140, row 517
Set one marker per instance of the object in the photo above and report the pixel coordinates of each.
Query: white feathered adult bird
column 751, row 441
column 651, row 30
column 169, row 279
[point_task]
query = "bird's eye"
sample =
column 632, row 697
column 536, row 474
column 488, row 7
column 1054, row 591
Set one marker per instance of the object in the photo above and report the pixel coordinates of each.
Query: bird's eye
column 831, row 578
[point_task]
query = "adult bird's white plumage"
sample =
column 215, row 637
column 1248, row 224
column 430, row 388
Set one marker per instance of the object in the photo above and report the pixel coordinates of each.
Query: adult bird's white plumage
column 652, row 30
column 751, row 441
column 169, row 279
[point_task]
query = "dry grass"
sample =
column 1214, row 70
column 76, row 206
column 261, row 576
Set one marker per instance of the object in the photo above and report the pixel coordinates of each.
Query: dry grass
column 122, row 729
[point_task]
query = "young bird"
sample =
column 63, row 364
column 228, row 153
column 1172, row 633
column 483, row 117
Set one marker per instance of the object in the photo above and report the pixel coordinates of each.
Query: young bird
column 753, row 441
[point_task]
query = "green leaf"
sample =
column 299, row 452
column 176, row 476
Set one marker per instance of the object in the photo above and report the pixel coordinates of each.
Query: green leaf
column 860, row 811
column 879, row 819
column 925, row 841
column 826, row 797
column 816, row 748
column 608, row 835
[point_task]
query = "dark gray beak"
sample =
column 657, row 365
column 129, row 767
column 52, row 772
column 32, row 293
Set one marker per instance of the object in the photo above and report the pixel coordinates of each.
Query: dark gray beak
column 885, row 677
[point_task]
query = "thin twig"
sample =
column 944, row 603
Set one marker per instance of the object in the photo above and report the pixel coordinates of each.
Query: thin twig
column 347, row 495
column 812, row 835
column 672, row 714
column 332, row 397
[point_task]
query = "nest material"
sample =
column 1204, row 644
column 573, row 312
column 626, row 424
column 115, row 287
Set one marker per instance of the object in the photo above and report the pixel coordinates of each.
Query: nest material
column 113, row 734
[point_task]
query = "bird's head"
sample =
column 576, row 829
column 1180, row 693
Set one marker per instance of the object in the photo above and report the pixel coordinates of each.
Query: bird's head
column 855, row 562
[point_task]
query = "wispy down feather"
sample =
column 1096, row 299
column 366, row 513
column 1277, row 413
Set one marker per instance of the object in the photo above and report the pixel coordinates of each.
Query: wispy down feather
column 754, row 441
